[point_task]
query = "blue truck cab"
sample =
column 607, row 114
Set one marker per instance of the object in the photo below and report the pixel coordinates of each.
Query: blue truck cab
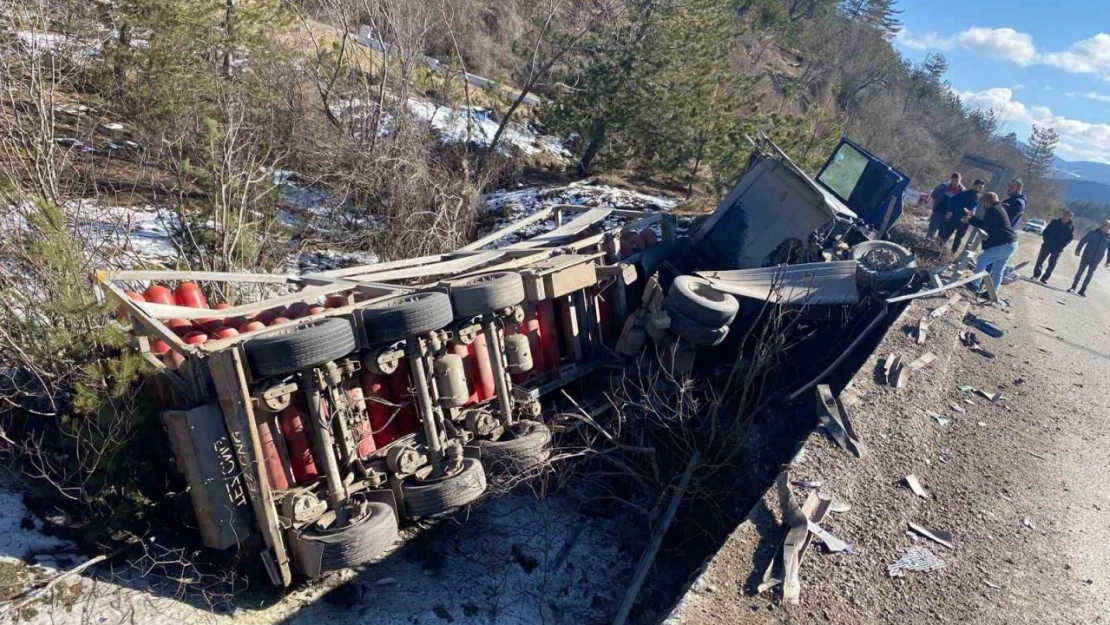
column 776, row 214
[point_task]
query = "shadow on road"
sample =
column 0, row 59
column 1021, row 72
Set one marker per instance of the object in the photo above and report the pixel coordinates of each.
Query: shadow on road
column 1073, row 344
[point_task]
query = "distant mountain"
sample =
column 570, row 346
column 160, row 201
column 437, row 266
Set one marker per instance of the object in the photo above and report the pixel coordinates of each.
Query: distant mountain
column 1086, row 191
column 1081, row 170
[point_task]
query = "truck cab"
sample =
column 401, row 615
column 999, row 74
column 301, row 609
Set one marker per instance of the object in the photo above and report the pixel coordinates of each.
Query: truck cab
column 777, row 214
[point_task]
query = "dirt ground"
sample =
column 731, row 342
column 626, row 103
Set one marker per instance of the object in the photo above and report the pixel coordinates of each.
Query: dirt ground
column 1018, row 483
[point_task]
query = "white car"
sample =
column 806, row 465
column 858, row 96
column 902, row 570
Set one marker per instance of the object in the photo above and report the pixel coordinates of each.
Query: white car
column 1035, row 225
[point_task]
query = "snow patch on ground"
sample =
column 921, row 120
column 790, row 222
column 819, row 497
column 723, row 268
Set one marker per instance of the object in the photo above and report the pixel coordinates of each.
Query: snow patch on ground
column 21, row 532
column 451, row 124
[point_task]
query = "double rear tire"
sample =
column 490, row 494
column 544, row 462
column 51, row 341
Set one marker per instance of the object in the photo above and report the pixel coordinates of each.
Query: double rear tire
column 319, row 551
column 525, row 446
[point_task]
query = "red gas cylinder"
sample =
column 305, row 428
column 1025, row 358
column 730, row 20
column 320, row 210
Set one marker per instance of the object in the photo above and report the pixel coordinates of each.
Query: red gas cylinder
column 172, row 359
column 313, row 310
column 363, row 433
column 190, row 294
column 121, row 312
column 292, row 422
column 400, row 386
column 335, row 301
column 549, row 334
column 649, row 237
column 279, row 321
column 195, row 338
column 470, row 370
column 158, row 294
column 180, row 327
column 251, row 326
column 276, row 470
column 159, row 347
column 295, row 310
column 384, row 427
column 224, row 332
column 485, row 383
column 533, row 330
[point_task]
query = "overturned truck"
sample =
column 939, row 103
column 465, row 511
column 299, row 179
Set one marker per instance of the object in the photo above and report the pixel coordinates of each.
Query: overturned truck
column 311, row 415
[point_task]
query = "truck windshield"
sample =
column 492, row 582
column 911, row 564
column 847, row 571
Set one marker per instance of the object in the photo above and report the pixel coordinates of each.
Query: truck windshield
column 843, row 171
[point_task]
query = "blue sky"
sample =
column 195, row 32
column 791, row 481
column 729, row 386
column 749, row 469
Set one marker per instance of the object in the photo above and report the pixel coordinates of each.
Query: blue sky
column 1044, row 62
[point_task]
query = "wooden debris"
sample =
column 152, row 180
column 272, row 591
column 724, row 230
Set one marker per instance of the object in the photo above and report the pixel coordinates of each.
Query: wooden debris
column 938, row 536
column 890, row 365
column 923, row 329
column 1038, row 456
column 832, row 543
column 958, row 408
column 835, row 421
column 990, row 584
column 942, row 310
column 915, row 486
column 923, row 361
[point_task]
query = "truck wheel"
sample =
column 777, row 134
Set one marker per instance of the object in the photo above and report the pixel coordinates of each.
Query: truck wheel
column 525, row 446
column 425, row 498
column 300, row 347
column 883, row 266
column 405, row 316
column 697, row 300
column 355, row 544
column 696, row 332
column 486, row 293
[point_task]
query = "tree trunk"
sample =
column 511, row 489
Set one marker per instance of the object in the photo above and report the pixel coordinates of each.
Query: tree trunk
column 596, row 139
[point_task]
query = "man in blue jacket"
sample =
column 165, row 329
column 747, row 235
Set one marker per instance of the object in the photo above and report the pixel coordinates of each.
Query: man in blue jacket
column 1015, row 201
column 955, row 207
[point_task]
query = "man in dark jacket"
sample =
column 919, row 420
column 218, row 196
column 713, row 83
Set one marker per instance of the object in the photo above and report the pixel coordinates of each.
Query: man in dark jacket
column 1015, row 201
column 1093, row 249
column 940, row 196
column 1054, row 239
column 1001, row 241
column 955, row 207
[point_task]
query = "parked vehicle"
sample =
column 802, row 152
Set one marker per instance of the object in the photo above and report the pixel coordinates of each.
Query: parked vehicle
column 1035, row 226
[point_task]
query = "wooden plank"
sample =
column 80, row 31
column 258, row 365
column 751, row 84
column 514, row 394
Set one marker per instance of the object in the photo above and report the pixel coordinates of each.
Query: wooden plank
column 197, row 276
column 507, row 230
column 619, row 212
column 393, row 264
column 571, row 331
column 446, row 267
column 575, row 226
column 234, row 397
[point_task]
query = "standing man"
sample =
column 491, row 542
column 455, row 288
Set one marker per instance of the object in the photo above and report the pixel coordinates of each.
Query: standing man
column 1093, row 249
column 955, row 207
column 1054, row 239
column 1015, row 201
column 940, row 196
column 1001, row 241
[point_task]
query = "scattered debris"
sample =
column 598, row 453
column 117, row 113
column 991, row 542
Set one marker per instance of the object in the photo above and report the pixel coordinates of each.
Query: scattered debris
column 836, row 423
column 940, row 537
column 792, row 545
column 966, row 388
column 890, row 366
column 982, row 425
column 807, row 484
column 941, row 311
column 915, row 486
column 923, row 330
column 940, row 419
column 916, row 558
column 923, row 361
column 1038, row 456
column 1028, row 522
column 991, row 584
column 839, row 506
column 969, row 339
column 988, row 396
column 958, row 408
column 832, row 543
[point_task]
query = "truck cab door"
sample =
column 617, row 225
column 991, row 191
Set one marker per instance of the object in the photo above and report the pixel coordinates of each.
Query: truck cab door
column 867, row 185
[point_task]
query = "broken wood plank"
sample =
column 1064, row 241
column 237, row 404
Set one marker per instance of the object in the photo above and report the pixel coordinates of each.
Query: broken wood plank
column 915, row 486
column 937, row 536
column 923, row 361
column 947, row 287
column 923, row 329
column 942, row 310
column 836, row 423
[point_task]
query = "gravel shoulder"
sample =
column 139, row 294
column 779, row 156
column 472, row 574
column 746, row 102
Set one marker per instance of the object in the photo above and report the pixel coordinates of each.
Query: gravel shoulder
column 1016, row 482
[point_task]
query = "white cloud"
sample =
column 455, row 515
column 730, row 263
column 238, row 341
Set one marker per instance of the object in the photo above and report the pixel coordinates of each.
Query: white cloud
column 1017, row 87
column 1005, row 44
column 1079, row 140
column 1089, row 56
column 924, row 41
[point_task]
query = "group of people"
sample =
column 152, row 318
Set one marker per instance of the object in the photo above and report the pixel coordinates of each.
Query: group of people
column 955, row 209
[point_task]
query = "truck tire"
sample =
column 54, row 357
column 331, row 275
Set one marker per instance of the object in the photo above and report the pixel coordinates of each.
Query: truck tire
column 894, row 271
column 356, row 544
column 430, row 498
column 406, row 316
column 486, row 293
column 300, row 347
column 696, row 332
column 695, row 299
column 526, row 446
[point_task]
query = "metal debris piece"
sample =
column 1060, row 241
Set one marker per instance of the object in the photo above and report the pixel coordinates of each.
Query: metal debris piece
column 923, row 361
column 970, row 340
column 808, row 283
column 1038, row 456
column 795, row 537
column 839, row 506
column 836, row 423
column 942, row 310
column 916, row 558
column 940, row 537
column 958, row 408
column 966, row 388
column 832, row 543
column 915, row 486
column 1028, row 522
column 808, row 484
column 940, row 419
column 923, row 329
column 900, row 377
column 993, row 398
column 892, row 363
column 991, row 584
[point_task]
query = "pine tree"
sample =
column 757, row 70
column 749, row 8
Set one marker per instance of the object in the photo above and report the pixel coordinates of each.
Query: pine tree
column 1040, row 153
column 879, row 14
